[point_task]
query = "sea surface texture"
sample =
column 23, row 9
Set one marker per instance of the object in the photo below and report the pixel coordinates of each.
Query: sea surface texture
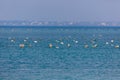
column 60, row 53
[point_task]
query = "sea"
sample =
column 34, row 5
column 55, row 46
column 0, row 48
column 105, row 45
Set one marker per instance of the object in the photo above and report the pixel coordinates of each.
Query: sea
column 59, row 53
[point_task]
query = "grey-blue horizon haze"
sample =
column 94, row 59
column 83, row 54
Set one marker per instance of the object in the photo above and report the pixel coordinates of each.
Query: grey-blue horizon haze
column 60, row 10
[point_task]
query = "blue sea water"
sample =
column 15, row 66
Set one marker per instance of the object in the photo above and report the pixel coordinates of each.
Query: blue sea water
column 93, row 53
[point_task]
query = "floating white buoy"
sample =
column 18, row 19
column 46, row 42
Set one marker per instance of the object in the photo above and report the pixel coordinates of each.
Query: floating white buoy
column 50, row 45
column 21, row 45
column 117, row 46
column 35, row 41
column 25, row 40
column 107, row 42
column 112, row 41
column 68, row 45
column 76, row 41
column 85, row 46
column 12, row 40
column 61, row 43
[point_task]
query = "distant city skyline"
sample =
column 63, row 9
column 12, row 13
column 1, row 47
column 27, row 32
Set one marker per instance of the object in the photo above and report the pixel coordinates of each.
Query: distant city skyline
column 60, row 10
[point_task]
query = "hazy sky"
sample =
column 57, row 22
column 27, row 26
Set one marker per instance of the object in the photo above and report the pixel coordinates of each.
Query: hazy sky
column 60, row 10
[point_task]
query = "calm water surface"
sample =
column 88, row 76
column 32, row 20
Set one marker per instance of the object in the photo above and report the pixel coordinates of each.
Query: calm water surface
column 76, row 54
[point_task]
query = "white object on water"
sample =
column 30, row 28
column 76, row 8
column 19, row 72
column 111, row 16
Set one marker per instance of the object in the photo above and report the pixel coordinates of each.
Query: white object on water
column 25, row 40
column 107, row 42
column 12, row 40
column 117, row 46
column 61, row 43
column 112, row 41
column 35, row 41
column 68, row 45
column 50, row 45
column 21, row 45
column 112, row 44
column 76, row 41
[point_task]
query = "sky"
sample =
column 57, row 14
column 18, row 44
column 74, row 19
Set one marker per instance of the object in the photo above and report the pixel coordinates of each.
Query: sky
column 60, row 10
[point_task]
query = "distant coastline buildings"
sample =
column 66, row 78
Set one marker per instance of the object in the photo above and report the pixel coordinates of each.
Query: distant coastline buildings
column 55, row 23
